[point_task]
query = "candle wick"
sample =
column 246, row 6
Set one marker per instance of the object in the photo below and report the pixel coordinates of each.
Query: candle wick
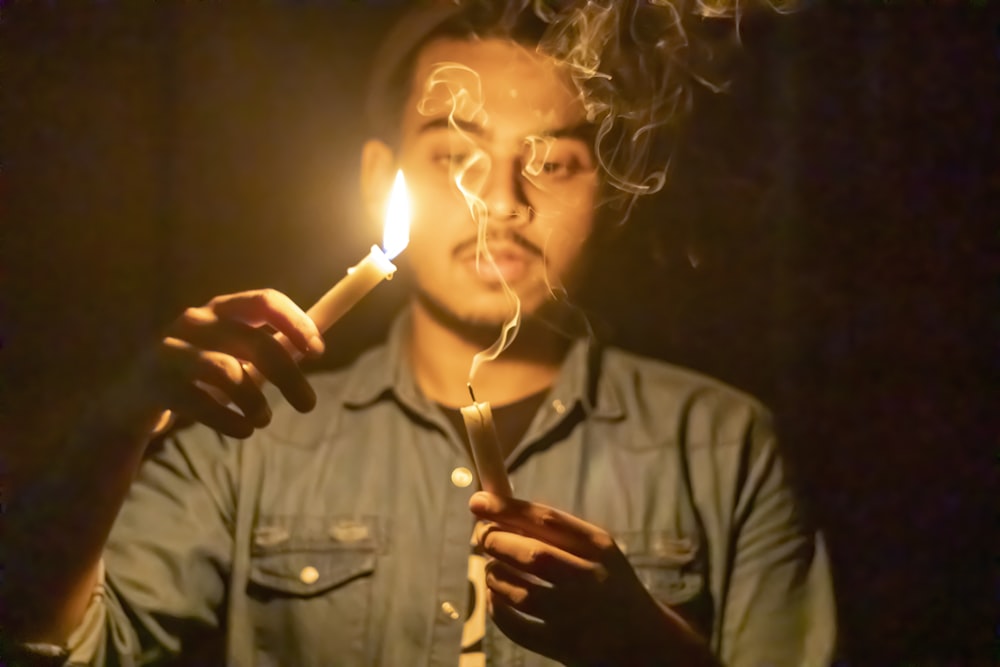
column 471, row 393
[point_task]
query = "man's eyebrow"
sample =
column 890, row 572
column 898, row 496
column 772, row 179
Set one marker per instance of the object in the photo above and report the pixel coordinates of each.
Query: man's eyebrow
column 585, row 132
column 447, row 122
column 582, row 131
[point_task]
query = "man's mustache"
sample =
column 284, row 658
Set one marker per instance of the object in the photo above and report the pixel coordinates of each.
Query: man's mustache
column 509, row 236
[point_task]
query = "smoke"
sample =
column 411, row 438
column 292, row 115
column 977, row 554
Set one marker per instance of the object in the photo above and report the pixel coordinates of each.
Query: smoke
column 456, row 91
column 636, row 65
column 625, row 59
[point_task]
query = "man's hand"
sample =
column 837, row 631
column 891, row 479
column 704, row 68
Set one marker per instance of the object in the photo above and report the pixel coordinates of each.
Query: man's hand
column 561, row 587
column 207, row 356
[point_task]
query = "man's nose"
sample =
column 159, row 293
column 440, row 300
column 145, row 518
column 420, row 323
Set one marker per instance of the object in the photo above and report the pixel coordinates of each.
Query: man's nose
column 504, row 194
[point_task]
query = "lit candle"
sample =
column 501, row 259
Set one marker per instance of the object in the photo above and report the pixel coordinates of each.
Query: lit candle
column 363, row 276
column 486, row 453
column 374, row 268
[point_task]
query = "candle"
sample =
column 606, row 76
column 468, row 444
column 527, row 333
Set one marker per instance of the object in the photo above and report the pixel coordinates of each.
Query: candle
column 374, row 268
column 486, row 453
column 360, row 279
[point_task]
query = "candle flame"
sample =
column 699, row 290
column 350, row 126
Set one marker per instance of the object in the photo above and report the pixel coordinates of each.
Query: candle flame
column 396, row 230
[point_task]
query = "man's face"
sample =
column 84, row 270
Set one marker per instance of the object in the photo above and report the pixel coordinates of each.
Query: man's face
column 495, row 128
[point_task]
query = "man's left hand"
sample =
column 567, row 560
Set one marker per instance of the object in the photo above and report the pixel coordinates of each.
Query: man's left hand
column 560, row 586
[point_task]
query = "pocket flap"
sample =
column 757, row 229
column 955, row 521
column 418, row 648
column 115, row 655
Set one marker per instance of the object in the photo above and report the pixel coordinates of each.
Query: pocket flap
column 303, row 556
column 310, row 572
column 669, row 567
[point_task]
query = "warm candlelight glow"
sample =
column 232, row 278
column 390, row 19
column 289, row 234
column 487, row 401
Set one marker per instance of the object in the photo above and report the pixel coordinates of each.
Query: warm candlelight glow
column 361, row 278
column 396, row 230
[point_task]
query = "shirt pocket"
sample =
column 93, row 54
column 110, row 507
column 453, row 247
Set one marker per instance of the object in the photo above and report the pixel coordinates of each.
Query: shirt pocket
column 672, row 568
column 310, row 585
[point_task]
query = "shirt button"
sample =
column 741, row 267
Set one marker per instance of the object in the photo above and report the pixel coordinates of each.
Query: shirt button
column 449, row 610
column 309, row 575
column 461, row 477
column 558, row 406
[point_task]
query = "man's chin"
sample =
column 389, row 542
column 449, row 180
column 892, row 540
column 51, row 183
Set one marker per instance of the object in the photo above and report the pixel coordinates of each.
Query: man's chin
column 479, row 325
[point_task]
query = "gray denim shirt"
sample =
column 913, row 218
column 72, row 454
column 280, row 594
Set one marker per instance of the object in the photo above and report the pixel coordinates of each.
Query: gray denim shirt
column 342, row 537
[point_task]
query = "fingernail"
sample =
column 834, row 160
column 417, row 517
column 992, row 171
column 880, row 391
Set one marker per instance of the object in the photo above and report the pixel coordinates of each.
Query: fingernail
column 479, row 501
column 316, row 345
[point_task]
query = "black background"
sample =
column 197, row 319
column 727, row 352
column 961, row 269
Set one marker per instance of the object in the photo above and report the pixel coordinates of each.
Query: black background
column 826, row 243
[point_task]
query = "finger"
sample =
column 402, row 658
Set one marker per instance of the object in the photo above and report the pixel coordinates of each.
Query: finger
column 198, row 405
column 207, row 330
column 199, row 385
column 271, row 307
column 544, row 523
column 229, row 376
column 222, row 375
column 512, row 589
column 204, row 329
column 532, row 634
column 481, row 529
column 545, row 561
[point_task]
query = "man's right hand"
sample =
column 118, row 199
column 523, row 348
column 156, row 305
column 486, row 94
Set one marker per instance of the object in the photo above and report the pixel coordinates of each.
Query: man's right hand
column 213, row 356
column 206, row 366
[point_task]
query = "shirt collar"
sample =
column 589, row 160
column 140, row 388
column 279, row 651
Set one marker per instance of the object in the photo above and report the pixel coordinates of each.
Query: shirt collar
column 386, row 372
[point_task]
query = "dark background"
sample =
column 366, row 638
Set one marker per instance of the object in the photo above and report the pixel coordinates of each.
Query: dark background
column 825, row 243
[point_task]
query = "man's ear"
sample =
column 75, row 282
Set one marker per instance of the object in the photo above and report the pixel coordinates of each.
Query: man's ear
column 378, row 171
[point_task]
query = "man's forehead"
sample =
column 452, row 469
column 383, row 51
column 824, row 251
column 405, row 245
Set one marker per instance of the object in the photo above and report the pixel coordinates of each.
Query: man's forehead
column 477, row 80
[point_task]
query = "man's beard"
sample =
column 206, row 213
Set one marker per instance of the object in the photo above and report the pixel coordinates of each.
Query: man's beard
column 556, row 317
column 478, row 331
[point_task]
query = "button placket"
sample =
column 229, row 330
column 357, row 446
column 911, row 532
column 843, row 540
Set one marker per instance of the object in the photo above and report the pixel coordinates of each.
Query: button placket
column 452, row 576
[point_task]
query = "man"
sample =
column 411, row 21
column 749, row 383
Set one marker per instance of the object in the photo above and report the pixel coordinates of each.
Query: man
column 653, row 524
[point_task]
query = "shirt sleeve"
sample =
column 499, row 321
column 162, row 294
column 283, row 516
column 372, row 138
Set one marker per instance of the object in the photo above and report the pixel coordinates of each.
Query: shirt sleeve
column 776, row 602
column 167, row 558
column 83, row 644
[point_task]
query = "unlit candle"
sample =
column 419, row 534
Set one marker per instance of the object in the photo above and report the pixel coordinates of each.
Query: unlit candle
column 486, row 452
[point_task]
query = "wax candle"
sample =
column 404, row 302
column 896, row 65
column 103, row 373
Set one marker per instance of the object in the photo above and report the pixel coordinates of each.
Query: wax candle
column 374, row 268
column 362, row 277
column 359, row 281
column 486, row 452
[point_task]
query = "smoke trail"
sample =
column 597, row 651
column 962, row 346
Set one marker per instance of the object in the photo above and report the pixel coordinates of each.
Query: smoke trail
column 456, row 90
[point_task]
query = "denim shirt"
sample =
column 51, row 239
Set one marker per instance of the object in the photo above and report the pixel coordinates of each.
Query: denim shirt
column 342, row 537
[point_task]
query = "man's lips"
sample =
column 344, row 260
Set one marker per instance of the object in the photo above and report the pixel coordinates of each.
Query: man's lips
column 512, row 256
column 511, row 267
column 497, row 244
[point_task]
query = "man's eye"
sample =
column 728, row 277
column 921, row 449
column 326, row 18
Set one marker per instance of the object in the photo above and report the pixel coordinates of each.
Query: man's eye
column 555, row 159
column 449, row 160
column 555, row 168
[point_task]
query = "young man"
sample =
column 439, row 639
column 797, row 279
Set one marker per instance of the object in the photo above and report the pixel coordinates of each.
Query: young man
column 653, row 524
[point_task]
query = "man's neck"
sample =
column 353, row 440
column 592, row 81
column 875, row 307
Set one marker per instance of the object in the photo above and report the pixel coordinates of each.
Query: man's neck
column 442, row 358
